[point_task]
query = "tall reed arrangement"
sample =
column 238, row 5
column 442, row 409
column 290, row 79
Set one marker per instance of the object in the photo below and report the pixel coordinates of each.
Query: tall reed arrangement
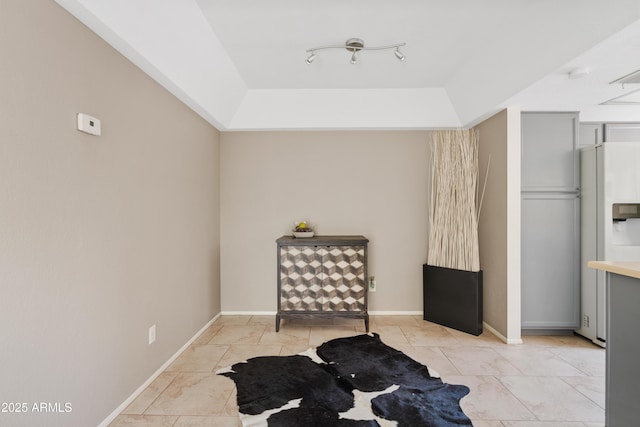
column 454, row 208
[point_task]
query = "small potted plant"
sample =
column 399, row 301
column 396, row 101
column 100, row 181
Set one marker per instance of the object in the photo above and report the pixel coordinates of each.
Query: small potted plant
column 302, row 229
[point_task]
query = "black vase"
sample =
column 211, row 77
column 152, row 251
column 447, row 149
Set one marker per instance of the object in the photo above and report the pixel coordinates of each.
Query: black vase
column 453, row 298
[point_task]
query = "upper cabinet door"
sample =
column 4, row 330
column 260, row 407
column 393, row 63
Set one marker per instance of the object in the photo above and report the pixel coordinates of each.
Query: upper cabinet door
column 590, row 134
column 549, row 155
column 622, row 132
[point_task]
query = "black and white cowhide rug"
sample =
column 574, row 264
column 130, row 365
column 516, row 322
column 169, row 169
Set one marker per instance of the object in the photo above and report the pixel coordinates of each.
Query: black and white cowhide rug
column 356, row 381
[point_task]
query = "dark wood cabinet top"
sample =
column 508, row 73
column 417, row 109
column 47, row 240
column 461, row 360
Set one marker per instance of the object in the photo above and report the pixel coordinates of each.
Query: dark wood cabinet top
column 322, row 240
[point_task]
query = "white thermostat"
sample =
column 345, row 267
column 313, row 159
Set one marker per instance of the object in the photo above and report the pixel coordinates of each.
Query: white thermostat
column 88, row 124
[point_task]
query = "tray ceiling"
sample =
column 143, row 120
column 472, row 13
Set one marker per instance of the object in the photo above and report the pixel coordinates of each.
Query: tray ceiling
column 241, row 63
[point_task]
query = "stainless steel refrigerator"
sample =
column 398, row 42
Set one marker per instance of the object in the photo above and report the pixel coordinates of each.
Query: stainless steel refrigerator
column 610, row 223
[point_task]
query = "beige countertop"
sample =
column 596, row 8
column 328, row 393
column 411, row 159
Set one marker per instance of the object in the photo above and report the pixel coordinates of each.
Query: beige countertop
column 624, row 268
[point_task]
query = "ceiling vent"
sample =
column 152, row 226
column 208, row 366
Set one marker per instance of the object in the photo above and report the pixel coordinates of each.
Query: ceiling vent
column 629, row 79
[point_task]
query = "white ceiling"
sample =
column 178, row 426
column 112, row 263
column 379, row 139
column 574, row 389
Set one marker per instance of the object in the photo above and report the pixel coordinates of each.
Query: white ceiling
column 241, row 63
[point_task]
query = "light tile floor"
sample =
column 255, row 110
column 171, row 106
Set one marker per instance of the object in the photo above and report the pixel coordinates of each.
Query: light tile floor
column 550, row 381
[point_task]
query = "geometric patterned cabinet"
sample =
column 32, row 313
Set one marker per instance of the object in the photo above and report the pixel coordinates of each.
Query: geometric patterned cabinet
column 322, row 276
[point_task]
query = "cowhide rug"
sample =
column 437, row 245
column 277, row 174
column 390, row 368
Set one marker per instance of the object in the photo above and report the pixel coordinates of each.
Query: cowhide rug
column 355, row 381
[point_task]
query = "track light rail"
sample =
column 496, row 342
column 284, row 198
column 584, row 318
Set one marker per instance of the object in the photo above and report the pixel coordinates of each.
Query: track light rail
column 355, row 45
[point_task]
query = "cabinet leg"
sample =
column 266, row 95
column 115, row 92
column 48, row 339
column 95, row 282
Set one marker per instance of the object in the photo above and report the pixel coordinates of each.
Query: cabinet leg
column 277, row 323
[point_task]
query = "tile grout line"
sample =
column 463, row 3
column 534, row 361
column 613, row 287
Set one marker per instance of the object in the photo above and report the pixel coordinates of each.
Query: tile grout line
column 524, row 405
column 578, row 391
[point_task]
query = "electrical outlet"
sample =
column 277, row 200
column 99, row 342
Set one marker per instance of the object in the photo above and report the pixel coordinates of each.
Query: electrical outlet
column 372, row 284
column 585, row 320
column 152, row 334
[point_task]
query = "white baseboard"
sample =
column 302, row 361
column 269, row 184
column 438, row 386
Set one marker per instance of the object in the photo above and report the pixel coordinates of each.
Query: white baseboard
column 161, row 369
column 395, row 313
column 248, row 313
column 500, row 336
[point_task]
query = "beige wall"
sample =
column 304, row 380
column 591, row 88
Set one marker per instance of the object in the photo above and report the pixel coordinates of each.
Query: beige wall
column 369, row 183
column 499, row 228
column 100, row 237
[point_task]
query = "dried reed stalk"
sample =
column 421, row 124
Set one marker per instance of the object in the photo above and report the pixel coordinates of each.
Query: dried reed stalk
column 453, row 212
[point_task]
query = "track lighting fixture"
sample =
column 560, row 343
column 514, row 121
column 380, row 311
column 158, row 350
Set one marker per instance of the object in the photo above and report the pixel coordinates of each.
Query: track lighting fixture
column 355, row 45
column 311, row 58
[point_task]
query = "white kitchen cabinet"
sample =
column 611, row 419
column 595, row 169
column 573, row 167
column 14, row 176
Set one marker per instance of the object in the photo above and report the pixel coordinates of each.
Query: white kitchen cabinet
column 622, row 132
column 590, row 134
column 550, row 257
column 549, row 160
column 550, row 260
